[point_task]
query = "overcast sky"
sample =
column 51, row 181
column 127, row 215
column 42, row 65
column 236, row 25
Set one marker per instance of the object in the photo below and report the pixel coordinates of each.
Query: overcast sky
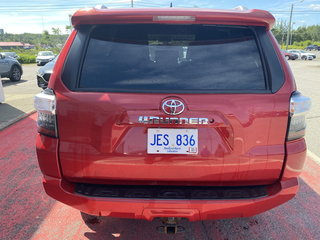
column 34, row 16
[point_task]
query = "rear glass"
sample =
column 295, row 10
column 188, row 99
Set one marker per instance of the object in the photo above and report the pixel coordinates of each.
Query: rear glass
column 159, row 57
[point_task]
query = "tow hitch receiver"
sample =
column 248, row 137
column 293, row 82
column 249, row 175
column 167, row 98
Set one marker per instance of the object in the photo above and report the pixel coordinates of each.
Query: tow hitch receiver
column 170, row 226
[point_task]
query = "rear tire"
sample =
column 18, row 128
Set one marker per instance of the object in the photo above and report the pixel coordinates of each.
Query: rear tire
column 304, row 58
column 15, row 74
column 287, row 57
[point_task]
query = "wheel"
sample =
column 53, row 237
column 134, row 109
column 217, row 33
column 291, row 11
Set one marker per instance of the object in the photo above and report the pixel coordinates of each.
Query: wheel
column 304, row 58
column 287, row 57
column 15, row 74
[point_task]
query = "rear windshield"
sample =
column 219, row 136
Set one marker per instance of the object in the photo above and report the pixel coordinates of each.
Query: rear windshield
column 173, row 58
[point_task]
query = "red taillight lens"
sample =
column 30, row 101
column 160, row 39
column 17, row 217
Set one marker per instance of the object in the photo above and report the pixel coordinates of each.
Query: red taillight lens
column 299, row 107
column 45, row 104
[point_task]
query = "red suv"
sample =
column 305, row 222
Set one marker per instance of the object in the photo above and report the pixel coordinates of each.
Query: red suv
column 146, row 115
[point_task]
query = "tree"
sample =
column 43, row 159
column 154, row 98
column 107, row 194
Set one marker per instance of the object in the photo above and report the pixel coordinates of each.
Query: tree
column 302, row 36
column 280, row 30
column 56, row 31
column 45, row 39
column 68, row 28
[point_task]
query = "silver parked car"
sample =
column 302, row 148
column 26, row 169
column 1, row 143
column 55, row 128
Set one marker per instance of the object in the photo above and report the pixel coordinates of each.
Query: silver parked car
column 44, row 73
column 10, row 54
column 10, row 68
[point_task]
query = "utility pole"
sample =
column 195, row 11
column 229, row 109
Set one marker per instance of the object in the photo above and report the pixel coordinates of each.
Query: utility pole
column 282, row 32
column 289, row 28
column 290, row 42
column 132, row 3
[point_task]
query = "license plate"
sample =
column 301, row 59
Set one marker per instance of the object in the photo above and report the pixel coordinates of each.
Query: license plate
column 172, row 141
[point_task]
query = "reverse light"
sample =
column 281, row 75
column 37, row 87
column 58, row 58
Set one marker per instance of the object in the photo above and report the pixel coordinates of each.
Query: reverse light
column 45, row 104
column 299, row 107
column 174, row 18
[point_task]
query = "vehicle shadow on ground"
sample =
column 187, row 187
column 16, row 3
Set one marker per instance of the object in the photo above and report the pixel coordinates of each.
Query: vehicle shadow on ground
column 297, row 219
column 9, row 114
column 8, row 82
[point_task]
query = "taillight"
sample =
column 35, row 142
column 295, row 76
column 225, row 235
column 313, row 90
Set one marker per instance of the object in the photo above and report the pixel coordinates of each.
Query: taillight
column 45, row 104
column 299, row 106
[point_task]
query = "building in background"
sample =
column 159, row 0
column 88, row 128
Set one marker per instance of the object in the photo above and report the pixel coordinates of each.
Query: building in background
column 10, row 45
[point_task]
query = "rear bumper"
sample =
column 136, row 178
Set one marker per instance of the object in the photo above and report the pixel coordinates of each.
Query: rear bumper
column 148, row 209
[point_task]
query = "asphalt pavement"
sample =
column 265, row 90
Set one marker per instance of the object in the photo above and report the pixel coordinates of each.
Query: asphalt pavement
column 307, row 75
column 18, row 96
column 28, row 213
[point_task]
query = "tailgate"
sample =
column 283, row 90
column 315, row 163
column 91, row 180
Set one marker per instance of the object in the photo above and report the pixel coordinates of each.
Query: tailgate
column 102, row 138
column 224, row 95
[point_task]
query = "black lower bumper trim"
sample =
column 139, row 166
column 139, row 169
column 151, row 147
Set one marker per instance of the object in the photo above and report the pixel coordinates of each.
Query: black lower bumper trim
column 169, row 192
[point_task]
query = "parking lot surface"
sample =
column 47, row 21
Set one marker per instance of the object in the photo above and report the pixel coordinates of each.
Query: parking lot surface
column 307, row 75
column 18, row 96
column 28, row 213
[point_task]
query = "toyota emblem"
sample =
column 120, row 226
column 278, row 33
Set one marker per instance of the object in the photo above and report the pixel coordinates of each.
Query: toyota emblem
column 173, row 107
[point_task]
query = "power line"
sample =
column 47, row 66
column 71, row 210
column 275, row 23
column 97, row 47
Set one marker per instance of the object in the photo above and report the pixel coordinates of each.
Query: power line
column 47, row 7
column 62, row 7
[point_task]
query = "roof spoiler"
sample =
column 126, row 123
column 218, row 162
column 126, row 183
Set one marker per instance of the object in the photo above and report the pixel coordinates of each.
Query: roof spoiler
column 244, row 17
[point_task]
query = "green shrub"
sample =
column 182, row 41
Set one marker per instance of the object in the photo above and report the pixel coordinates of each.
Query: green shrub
column 300, row 45
column 296, row 47
column 27, row 58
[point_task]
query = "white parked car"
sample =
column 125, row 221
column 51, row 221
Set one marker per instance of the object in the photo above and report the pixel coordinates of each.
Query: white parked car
column 303, row 54
column 44, row 57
